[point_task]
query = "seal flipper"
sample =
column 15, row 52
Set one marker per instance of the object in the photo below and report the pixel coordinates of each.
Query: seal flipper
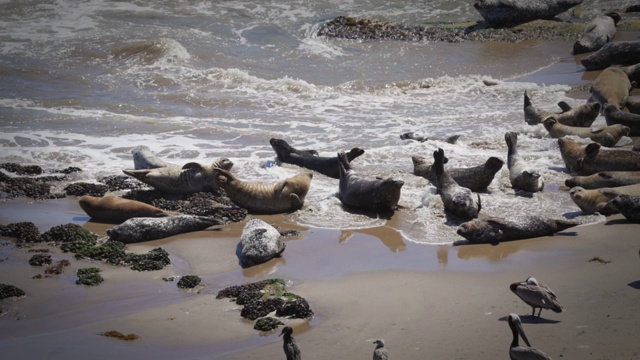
column 564, row 106
column 296, row 202
column 592, row 150
column 343, row 161
column 439, row 160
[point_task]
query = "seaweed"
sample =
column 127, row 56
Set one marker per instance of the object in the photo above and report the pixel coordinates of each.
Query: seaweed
column 189, row 281
column 267, row 324
column 89, row 276
column 118, row 335
column 40, row 259
column 7, row 291
column 25, row 231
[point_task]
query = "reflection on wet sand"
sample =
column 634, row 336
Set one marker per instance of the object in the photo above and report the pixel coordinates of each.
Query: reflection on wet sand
column 490, row 252
column 389, row 237
column 264, row 269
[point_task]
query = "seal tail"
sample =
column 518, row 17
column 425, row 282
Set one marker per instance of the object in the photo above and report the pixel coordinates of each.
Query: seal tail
column 439, row 160
column 527, row 100
column 562, row 225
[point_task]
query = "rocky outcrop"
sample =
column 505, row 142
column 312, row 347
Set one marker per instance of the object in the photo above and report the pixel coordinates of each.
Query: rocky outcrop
column 259, row 243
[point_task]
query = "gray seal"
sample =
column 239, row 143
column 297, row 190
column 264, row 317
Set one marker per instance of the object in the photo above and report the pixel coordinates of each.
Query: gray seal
column 521, row 177
column 491, row 230
column 115, row 210
column 259, row 243
column 327, row 166
column 597, row 32
column 191, row 178
column 622, row 53
column 379, row 195
column 143, row 158
column 633, row 104
column 599, row 200
column 614, row 116
column 633, row 72
column 475, row 178
column 513, row 12
column 596, row 159
column 580, row 116
column 604, row 179
column 411, row 136
column 629, row 206
column 612, row 87
column 142, row 229
column 457, row 200
column 606, row 136
column 265, row 197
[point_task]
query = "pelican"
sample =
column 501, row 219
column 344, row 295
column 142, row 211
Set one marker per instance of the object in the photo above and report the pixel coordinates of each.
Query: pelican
column 517, row 352
column 380, row 353
column 289, row 345
column 536, row 295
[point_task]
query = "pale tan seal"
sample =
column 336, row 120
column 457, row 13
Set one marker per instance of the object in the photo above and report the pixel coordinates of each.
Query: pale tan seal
column 191, row 178
column 604, row 179
column 265, row 198
column 115, row 210
column 520, row 175
column 612, row 87
column 571, row 151
column 599, row 200
column 581, row 116
column 606, row 136
column 144, row 158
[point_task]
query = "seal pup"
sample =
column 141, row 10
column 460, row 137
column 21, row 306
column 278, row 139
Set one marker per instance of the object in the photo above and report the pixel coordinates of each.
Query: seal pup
column 629, row 206
column 581, row 116
column 327, row 166
column 597, row 32
column 613, row 115
column 599, row 200
column 633, row 104
column 521, row 352
column 380, row 352
column 513, row 12
column 115, row 210
column 596, row 159
column 142, row 229
column 520, row 176
column 624, row 53
column 612, row 87
column 536, row 295
column 289, row 344
column 606, row 136
column 476, row 178
column 379, row 195
column 604, row 179
column 491, row 230
column 457, row 200
column 191, row 178
column 143, row 158
column 265, row 197
column 411, row 136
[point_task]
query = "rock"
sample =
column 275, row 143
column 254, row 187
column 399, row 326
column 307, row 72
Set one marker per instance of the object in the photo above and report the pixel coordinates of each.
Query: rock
column 267, row 324
column 83, row 188
column 7, row 291
column 25, row 231
column 189, row 281
column 40, row 259
column 89, row 276
column 259, row 243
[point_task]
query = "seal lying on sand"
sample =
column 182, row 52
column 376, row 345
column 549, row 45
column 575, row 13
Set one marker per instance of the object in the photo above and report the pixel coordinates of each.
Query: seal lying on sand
column 597, row 32
column 141, row 229
column 143, row 158
column 633, row 104
column 380, row 195
column 612, row 87
column 520, row 176
column 457, row 200
column 605, row 179
column 265, row 198
column 613, row 53
column 493, row 230
column 614, row 116
column 606, row 136
column 596, row 159
column 629, row 206
column 476, row 178
column 115, row 210
column 191, row 178
column 582, row 116
column 327, row 166
column 512, row 12
column 598, row 200
column 411, row 136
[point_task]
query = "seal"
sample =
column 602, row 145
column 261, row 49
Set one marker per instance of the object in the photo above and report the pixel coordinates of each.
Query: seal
column 115, row 210
column 605, row 179
column 614, row 116
column 411, row 136
column 532, row 114
column 597, row 32
column 629, row 206
column 622, row 53
column 191, row 178
column 595, row 160
column 141, row 229
column 491, row 230
column 520, row 176
column 288, row 149
column 582, row 116
column 612, row 87
column 457, row 200
column 259, row 243
column 379, row 195
column 143, row 158
column 599, row 200
column 265, row 198
column 476, row 178
column 512, row 12
column 633, row 104
column 571, row 151
column 606, row 136
column 633, row 72
column 327, row 166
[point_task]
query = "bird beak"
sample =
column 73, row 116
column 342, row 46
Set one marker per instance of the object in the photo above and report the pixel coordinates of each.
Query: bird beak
column 522, row 334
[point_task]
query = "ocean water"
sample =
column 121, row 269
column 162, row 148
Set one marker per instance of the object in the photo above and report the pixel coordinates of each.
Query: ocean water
column 84, row 82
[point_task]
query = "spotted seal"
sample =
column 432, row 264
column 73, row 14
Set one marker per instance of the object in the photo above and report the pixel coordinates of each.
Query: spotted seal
column 327, row 166
column 583, row 115
column 115, row 210
column 599, row 200
column 379, row 195
column 633, row 104
column 476, row 178
column 521, row 177
column 457, row 200
column 612, row 87
column 614, row 116
column 596, row 159
column 411, row 136
column 265, row 197
column 141, row 229
column 512, row 12
column 597, row 32
column 629, row 206
column 623, row 53
column 606, row 136
column 605, row 179
column 191, row 178
column 490, row 230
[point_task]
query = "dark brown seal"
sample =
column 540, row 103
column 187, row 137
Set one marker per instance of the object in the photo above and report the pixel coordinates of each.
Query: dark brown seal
column 476, row 178
column 492, row 230
column 115, row 210
column 633, row 104
column 379, row 195
column 411, row 136
column 604, row 179
column 596, row 159
column 614, row 116
column 613, row 53
column 458, row 200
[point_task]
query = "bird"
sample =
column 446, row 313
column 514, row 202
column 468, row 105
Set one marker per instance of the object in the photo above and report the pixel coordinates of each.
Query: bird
column 536, row 295
column 517, row 352
column 291, row 348
column 380, row 353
